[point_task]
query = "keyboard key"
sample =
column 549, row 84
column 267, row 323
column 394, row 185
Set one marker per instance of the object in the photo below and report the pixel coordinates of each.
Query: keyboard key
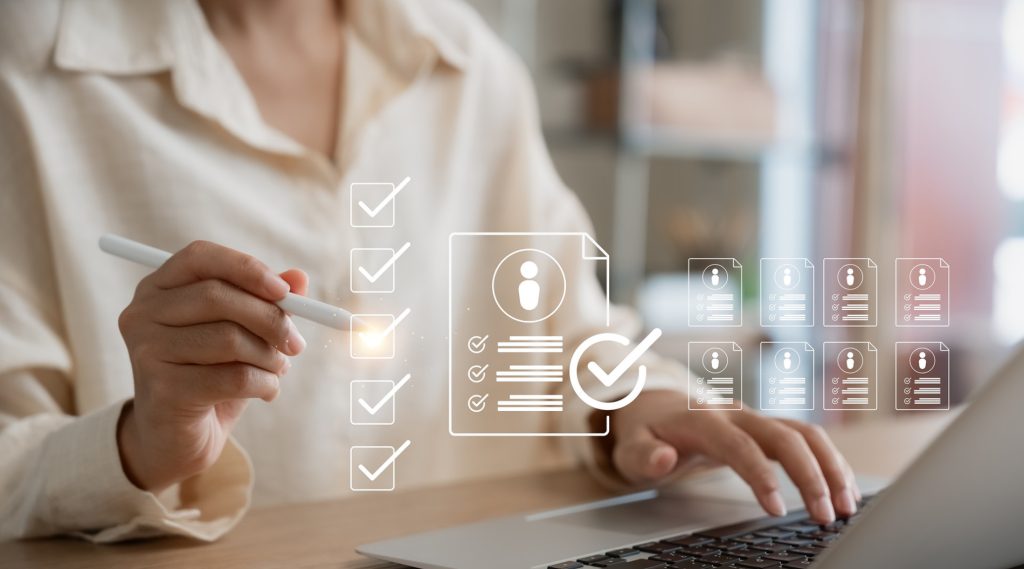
column 795, row 542
column 643, row 564
column 692, row 540
column 566, row 565
column 591, row 559
column 784, row 557
column 751, row 539
column 610, row 562
column 728, row 545
column 656, row 547
column 758, row 563
column 798, row 565
column 624, row 552
column 770, row 548
column 808, row 551
column 776, row 533
column 700, row 551
column 670, row 557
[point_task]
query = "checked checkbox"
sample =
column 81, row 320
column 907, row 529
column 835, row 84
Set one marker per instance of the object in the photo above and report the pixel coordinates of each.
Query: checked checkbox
column 373, row 204
column 372, row 468
column 376, row 336
column 373, row 269
column 372, row 402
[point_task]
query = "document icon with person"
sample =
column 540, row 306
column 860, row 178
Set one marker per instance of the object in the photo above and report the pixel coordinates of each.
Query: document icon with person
column 715, row 290
column 851, row 376
column 922, row 292
column 717, row 380
column 922, row 376
column 787, row 376
column 512, row 378
column 787, row 292
column 850, row 287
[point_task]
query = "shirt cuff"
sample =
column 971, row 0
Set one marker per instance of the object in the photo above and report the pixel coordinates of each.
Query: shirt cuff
column 89, row 495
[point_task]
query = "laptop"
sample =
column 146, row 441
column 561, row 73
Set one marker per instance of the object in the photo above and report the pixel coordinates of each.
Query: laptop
column 960, row 504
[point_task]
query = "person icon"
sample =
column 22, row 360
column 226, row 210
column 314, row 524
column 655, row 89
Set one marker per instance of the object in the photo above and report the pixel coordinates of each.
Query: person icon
column 850, row 278
column 922, row 361
column 715, row 279
column 849, row 360
column 787, row 361
column 787, row 277
column 715, row 362
column 922, row 277
column 529, row 289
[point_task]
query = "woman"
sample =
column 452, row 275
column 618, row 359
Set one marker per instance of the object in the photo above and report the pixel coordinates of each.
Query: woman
column 244, row 123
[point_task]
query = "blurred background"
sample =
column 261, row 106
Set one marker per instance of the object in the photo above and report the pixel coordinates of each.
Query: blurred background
column 793, row 128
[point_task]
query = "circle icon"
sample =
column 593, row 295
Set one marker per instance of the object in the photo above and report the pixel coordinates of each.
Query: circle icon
column 922, row 360
column 849, row 360
column 574, row 376
column 715, row 277
column 714, row 360
column 787, row 276
column 850, row 276
column 922, row 276
column 787, row 360
column 521, row 282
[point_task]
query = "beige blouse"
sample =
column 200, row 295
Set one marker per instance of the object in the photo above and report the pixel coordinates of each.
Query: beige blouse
column 128, row 117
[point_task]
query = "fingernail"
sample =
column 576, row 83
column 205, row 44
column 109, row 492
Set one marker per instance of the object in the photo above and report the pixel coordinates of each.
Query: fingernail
column 276, row 285
column 822, row 510
column 847, row 503
column 775, row 505
column 295, row 342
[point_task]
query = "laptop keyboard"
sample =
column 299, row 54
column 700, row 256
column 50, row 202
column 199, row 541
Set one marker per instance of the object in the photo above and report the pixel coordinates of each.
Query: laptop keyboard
column 790, row 542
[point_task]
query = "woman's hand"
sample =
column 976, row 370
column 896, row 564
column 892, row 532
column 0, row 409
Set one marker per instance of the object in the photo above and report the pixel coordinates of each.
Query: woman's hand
column 655, row 433
column 204, row 337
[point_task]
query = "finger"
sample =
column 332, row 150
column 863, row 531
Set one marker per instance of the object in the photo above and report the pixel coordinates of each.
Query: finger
column 297, row 279
column 727, row 443
column 833, row 466
column 202, row 260
column 212, row 384
column 215, row 300
column 641, row 457
column 789, row 447
column 220, row 343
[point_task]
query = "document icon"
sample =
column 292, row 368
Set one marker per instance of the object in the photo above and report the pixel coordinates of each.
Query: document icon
column 922, row 292
column 851, row 376
column 715, row 292
column 787, row 376
column 787, row 292
column 922, row 376
column 511, row 379
column 850, row 287
column 717, row 369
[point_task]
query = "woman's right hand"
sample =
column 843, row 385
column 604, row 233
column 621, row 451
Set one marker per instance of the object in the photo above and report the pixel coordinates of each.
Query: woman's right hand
column 204, row 336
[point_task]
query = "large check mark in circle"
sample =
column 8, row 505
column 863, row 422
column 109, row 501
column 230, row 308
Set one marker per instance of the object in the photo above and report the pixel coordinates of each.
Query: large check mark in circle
column 574, row 377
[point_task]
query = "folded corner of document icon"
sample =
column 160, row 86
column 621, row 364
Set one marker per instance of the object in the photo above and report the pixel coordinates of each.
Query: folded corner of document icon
column 513, row 300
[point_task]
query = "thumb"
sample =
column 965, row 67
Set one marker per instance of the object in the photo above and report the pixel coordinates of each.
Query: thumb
column 642, row 458
column 297, row 280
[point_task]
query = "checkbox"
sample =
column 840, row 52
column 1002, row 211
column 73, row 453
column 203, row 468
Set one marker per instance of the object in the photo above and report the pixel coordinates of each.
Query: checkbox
column 373, row 269
column 373, row 335
column 477, row 344
column 372, row 204
column 372, row 402
column 372, row 468
column 477, row 373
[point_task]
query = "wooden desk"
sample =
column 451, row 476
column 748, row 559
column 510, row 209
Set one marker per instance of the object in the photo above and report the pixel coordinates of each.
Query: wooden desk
column 324, row 534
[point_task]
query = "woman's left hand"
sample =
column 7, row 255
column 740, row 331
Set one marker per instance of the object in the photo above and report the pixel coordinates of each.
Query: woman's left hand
column 656, row 433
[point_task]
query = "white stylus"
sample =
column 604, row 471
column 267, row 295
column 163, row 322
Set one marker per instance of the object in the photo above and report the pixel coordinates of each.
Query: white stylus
column 307, row 308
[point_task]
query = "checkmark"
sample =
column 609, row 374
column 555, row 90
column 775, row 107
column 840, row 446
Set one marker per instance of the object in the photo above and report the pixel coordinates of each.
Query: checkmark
column 376, row 337
column 372, row 409
column 477, row 403
column 477, row 344
column 390, row 460
column 477, row 373
column 373, row 277
column 609, row 378
column 372, row 212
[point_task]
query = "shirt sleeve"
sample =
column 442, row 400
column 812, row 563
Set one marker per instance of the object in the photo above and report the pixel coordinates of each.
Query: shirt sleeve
column 61, row 473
